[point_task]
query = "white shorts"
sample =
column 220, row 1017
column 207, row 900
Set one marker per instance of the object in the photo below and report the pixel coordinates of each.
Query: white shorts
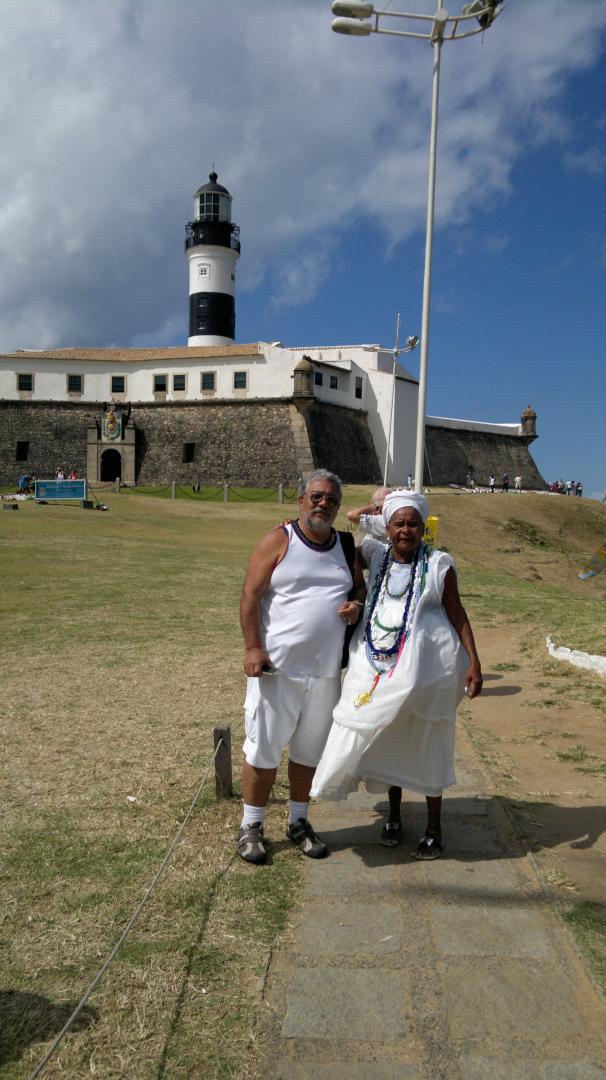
column 288, row 710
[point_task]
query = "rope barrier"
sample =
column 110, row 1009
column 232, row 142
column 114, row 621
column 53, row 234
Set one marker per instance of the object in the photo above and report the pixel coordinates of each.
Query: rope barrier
column 97, row 979
column 200, row 495
column 253, row 498
column 260, row 494
column 144, row 491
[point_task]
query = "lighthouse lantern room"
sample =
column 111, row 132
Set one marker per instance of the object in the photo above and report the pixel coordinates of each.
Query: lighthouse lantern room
column 212, row 244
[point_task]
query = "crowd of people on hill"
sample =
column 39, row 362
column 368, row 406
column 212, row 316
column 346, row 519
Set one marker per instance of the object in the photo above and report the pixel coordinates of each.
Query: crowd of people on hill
column 567, row 487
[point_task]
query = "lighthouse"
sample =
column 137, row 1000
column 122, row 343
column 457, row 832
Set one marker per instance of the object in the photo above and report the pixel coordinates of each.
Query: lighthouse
column 213, row 248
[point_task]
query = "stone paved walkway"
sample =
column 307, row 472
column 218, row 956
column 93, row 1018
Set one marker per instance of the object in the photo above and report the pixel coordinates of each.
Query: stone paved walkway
column 457, row 969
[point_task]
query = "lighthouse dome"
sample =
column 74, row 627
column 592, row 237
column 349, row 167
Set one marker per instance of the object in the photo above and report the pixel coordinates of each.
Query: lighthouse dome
column 212, row 185
column 212, row 201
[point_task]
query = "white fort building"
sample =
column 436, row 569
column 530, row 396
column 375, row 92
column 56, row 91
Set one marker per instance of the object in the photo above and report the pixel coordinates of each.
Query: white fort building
column 185, row 395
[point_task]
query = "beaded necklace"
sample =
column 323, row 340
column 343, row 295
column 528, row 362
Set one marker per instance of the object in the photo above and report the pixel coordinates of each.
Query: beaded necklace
column 378, row 656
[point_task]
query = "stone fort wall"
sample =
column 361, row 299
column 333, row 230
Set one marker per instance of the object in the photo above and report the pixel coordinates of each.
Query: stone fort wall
column 452, row 453
column 255, row 443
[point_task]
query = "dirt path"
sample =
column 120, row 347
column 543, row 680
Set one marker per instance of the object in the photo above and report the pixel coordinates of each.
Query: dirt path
column 525, row 718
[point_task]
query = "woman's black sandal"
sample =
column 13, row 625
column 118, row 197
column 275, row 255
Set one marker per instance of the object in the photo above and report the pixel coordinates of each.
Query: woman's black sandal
column 430, row 847
column 391, row 834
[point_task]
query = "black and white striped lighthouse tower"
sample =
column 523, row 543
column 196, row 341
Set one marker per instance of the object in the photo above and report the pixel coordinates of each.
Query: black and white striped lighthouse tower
column 213, row 248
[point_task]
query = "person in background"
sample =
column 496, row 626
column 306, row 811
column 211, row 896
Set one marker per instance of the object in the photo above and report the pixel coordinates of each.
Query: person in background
column 369, row 518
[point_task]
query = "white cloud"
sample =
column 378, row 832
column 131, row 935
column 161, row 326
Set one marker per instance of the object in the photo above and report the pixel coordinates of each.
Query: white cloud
column 590, row 161
column 112, row 115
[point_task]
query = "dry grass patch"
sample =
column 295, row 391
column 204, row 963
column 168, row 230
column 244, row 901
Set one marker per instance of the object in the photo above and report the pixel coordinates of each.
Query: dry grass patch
column 125, row 653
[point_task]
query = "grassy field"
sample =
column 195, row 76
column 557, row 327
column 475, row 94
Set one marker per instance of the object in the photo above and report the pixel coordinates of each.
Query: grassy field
column 121, row 653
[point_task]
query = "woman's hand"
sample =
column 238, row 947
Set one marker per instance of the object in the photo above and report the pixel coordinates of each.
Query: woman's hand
column 350, row 612
column 473, row 681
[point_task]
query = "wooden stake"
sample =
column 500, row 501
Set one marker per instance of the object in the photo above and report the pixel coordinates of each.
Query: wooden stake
column 223, row 773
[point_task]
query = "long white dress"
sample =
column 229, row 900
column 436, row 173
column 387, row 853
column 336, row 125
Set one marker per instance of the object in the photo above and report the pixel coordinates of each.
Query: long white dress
column 405, row 734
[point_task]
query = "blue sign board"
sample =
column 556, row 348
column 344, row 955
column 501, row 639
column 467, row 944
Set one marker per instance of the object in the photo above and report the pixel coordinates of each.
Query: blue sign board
column 55, row 490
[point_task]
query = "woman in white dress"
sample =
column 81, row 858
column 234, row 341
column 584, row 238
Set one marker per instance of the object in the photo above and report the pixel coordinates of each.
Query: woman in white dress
column 410, row 662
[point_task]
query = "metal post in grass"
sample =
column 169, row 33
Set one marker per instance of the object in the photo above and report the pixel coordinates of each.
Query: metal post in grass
column 223, row 774
column 117, row 485
column 225, row 492
column 173, row 489
column 280, row 493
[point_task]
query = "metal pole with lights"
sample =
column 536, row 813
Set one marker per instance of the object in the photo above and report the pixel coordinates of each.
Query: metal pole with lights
column 444, row 27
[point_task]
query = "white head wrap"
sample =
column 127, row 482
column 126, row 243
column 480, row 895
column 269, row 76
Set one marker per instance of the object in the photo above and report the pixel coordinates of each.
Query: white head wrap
column 397, row 500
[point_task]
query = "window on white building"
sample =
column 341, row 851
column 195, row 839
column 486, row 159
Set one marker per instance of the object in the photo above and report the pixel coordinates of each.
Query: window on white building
column 25, row 383
column 207, row 382
column 178, row 382
column 334, row 382
column 359, row 384
column 75, row 384
column 318, row 378
column 160, row 384
column 240, row 380
column 118, row 384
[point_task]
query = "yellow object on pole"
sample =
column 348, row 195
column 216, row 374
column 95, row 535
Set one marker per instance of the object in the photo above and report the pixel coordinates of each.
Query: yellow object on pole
column 430, row 536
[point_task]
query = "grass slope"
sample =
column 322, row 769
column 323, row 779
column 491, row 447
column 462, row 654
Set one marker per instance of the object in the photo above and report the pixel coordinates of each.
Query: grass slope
column 121, row 653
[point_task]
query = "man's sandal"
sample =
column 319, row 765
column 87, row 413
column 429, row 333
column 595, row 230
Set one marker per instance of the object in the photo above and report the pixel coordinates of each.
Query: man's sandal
column 430, row 847
column 391, row 834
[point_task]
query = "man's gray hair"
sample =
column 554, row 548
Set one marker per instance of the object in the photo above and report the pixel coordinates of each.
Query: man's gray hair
column 324, row 474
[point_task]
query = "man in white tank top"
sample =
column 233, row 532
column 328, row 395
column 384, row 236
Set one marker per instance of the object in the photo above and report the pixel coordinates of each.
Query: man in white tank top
column 299, row 595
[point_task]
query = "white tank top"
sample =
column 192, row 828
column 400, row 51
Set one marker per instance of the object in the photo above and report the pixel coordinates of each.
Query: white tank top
column 300, row 628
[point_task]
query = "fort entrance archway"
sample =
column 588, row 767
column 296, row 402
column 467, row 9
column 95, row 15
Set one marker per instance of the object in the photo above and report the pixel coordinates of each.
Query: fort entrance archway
column 111, row 465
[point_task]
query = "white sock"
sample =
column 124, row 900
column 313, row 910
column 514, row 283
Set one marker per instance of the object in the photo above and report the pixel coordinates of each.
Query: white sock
column 297, row 810
column 251, row 814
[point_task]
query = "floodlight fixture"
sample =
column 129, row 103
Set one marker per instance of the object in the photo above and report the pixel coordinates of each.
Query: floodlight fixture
column 485, row 11
column 351, row 26
column 355, row 9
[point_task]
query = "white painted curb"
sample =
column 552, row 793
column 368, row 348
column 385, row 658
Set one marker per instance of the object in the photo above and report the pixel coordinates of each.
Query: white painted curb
column 596, row 664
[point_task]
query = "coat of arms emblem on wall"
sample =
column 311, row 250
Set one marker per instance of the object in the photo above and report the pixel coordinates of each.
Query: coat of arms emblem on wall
column 111, row 424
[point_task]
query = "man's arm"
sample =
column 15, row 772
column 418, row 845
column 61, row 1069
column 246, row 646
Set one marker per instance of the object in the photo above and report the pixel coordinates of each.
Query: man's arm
column 263, row 561
column 459, row 620
column 355, row 515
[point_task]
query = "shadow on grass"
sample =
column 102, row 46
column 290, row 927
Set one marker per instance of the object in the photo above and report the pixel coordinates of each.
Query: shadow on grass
column 27, row 1018
column 192, row 953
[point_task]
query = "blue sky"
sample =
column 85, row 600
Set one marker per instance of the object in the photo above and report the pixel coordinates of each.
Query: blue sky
column 112, row 115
